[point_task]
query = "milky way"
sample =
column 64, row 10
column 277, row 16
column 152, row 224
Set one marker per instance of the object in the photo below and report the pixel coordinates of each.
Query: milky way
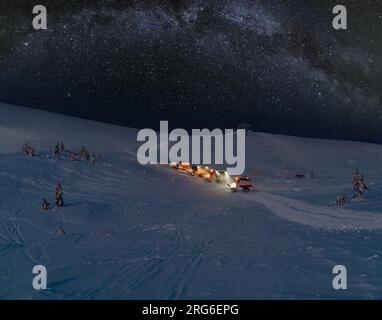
column 277, row 66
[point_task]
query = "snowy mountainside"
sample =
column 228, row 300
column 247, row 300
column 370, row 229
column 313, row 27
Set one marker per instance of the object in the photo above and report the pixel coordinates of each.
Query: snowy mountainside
column 135, row 232
column 18, row 124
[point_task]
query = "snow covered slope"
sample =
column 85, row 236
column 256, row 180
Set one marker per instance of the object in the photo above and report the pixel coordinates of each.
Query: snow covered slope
column 134, row 232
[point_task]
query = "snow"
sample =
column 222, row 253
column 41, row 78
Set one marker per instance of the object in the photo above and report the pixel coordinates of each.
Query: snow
column 135, row 232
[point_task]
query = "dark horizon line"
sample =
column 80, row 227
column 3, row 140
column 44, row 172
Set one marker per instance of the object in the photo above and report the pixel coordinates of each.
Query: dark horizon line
column 188, row 129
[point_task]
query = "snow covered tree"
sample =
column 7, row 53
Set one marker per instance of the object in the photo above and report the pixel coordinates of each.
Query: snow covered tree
column 62, row 147
column 84, row 154
column 72, row 156
column 57, row 149
column 300, row 174
column 58, row 194
column 359, row 185
column 341, row 200
column 93, row 158
column 45, row 205
column 60, row 231
column 28, row 149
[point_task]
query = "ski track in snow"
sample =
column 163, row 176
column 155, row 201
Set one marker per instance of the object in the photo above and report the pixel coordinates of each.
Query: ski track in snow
column 330, row 218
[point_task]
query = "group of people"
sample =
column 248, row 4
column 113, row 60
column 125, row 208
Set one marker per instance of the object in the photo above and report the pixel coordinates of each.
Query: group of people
column 59, row 199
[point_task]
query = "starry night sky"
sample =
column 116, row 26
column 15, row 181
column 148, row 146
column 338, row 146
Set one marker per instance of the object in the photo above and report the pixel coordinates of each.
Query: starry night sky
column 276, row 65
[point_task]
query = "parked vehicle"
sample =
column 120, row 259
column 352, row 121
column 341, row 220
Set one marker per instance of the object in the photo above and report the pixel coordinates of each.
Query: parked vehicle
column 244, row 183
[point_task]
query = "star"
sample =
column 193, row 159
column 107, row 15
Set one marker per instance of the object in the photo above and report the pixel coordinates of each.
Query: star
column 274, row 64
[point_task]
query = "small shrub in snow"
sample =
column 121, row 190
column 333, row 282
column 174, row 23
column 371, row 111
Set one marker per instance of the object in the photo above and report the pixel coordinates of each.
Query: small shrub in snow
column 359, row 185
column 58, row 194
column 45, row 206
column 29, row 150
